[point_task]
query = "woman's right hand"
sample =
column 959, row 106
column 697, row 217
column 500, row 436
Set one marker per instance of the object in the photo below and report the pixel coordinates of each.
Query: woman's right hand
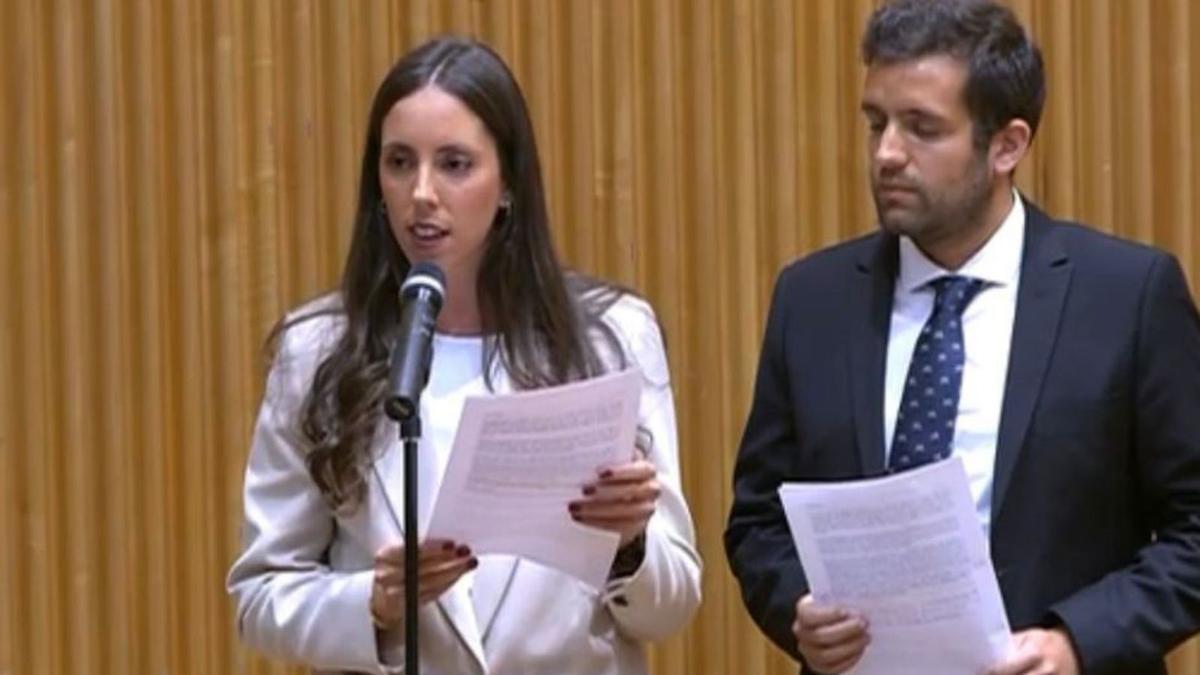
column 440, row 564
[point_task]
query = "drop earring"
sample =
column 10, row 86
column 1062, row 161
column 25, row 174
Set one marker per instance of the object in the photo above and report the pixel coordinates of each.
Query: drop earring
column 505, row 207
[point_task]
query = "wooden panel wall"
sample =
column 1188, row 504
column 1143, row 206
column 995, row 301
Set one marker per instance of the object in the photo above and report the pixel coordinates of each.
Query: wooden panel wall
column 176, row 173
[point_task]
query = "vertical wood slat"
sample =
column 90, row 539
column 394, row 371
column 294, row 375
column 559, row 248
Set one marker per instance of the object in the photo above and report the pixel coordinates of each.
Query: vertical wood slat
column 182, row 172
column 47, row 557
column 10, row 465
column 110, row 165
column 15, row 206
column 147, row 138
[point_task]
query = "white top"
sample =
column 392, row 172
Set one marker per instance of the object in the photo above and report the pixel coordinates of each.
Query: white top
column 987, row 333
column 456, row 373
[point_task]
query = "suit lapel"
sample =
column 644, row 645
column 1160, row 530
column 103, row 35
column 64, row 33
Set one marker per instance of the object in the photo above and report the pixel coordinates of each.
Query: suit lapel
column 874, row 281
column 1045, row 278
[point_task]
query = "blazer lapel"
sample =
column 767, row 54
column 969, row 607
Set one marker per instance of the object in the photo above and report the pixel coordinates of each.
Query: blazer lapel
column 455, row 604
column 873, row 282
column 388, row 469
column 492, row 585
column 460, row 614
column 1045, row 278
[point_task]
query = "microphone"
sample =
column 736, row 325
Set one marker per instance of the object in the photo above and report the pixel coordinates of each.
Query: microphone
column 421, row 297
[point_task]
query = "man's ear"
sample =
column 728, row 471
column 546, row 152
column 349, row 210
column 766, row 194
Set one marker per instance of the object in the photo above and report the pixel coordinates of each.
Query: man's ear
column 1009, row 145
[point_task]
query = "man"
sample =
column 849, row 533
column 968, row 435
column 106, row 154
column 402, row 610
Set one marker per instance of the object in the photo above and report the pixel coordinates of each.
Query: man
column 1065, row 370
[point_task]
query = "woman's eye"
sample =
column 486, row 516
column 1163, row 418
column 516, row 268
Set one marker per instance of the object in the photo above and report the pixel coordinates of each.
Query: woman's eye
column 456, row 163
column 398, row 161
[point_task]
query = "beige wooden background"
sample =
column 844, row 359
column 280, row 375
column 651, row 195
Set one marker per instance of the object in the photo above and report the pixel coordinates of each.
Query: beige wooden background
column 174, row 174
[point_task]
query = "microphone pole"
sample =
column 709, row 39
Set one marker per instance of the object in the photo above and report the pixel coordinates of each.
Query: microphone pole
column 421, row 297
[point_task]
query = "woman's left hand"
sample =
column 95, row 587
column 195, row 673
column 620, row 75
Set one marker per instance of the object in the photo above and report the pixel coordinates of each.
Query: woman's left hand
column 621, row 499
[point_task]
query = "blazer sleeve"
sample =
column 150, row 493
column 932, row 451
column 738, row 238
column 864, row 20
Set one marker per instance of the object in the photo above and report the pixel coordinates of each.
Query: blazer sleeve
column 1136, row 614
column 290, row 604
column 663, row 593
column 757, row 540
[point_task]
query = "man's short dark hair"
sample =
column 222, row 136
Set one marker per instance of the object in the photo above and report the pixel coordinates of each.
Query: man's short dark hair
column 1005, row 80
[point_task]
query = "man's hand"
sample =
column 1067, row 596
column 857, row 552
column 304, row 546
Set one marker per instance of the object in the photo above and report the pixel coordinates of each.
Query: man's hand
column 830, row 639
column 1039, row 652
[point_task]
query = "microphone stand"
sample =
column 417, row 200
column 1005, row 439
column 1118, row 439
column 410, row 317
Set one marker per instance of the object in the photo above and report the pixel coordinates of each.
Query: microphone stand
column 409, row 418
column 411, row 360
column 410, row 434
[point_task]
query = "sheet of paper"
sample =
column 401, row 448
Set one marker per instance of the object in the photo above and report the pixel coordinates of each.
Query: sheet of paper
column 906, row 551
column 519, row 459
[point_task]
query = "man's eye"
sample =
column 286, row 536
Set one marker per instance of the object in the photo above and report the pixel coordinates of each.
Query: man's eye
column 876, row 124
column 925, row 130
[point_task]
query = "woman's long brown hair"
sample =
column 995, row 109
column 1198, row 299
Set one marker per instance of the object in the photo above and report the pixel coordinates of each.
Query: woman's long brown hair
column 543, row 324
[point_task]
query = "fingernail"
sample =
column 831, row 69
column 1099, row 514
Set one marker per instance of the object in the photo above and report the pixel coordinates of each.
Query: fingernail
column 448, row 546
column 473, row 564
column 463, row 551
column 573, row 507
column 588, row 490
column 607, row 473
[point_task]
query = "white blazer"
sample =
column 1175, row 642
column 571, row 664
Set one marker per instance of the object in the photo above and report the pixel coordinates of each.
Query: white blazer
column 303, row 581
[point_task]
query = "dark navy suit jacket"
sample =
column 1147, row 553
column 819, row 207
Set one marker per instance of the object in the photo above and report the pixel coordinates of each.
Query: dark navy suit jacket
column 1096, row 486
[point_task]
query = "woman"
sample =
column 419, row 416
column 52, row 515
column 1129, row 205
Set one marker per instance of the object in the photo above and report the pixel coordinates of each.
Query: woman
column 450, row 174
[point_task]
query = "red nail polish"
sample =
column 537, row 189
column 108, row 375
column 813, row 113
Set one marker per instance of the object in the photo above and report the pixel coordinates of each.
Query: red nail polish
column 463, row 551
column 607, row 473
column 473, row 564
column 448, row 546
column 588, row 490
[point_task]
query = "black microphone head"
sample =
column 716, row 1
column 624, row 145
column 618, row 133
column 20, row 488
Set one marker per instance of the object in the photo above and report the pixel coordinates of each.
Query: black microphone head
column 425, row 276
column 421, row 297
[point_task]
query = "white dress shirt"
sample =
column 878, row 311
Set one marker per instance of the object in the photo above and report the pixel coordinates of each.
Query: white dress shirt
column 987, row 334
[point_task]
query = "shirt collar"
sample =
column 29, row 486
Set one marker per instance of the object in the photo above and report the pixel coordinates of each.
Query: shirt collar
column 998, row 263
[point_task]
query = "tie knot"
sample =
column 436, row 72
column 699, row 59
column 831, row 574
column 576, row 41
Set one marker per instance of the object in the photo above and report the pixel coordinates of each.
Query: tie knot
column 955, row 292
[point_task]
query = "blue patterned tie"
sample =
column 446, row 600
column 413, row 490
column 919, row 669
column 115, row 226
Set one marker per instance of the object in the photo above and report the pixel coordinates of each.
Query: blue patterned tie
column 929, row 407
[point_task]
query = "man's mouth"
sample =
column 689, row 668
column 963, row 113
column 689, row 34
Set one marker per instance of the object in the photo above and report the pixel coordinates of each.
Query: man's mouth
column 894, row 188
